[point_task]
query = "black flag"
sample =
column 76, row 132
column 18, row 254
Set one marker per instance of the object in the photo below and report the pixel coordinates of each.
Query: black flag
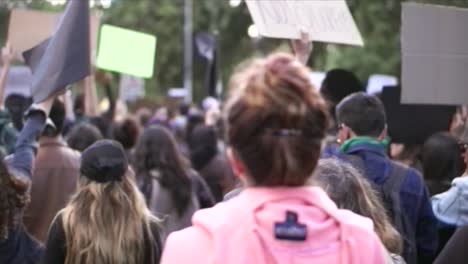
column 207, row 48
column 65, row 57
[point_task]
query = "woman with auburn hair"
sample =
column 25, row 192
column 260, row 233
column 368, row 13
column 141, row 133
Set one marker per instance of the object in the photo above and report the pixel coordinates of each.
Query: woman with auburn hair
column 107, row 220
column 351, row 191
column 275, row 122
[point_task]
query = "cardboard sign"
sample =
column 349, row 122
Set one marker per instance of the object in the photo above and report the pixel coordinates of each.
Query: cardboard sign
column 19, row 81
column 28, row 28
column 414, row 124
column 126, row 51
column 435, row 54
column 131, row 88
column 324, row 20
column 377, row 82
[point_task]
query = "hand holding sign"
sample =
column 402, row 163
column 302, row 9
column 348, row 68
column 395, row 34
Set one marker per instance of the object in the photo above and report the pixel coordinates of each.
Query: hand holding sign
column 324, row 20
column 302, row 48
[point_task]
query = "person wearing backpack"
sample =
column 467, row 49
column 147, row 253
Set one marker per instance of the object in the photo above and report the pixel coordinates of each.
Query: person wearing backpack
column 362, row 135
column 276, row 122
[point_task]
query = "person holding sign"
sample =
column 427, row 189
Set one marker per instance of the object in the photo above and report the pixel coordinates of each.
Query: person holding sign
column 276, row 122
column 16, row 245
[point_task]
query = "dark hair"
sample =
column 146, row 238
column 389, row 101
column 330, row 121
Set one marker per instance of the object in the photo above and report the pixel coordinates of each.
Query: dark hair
column 83, row 136
column 14, row 196
column 203, row 146
column 157, row 158
column 338, row 84
column 275, row 121
column 363, row 113
column 57, row 115
column 442, row 158
column 17, row 104
column 79, row 105
column 194, row 119
column 126, row 132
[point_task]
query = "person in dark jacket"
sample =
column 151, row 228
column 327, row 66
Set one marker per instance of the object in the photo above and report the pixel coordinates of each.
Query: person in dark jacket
column 16, row 245
column 172, row 189
column 455, row 251
column 362, row 134
column 212, row 165
column 107, row 220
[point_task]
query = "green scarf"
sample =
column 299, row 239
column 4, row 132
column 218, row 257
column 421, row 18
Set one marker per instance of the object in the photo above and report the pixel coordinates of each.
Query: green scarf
column 364, row 141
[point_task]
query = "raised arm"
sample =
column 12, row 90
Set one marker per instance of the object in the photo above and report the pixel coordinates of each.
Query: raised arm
column 302, row 48
column 21, row 162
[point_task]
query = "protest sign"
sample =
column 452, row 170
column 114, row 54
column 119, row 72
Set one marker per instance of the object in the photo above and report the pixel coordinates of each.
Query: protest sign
column 377, row 82
column 126, row 51
column 28, row 28
column 19, row 81
column 324, row 20
column 435, row 54
column 131, row 88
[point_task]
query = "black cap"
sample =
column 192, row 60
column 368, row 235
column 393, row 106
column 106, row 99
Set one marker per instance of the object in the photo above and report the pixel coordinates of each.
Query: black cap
column 104, row 161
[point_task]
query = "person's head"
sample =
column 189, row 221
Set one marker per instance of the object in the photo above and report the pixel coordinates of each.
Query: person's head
column 126, row 132
column 83, row 136
column 17, row 104
column 275, row 122
column 442, row 158
column 203, row 145
column 158, row 158
column 351, row 191
column 338, row 84
column 107, row 220
column 14, row 196
column 361, row 115
column 57, row 115
column 143, row 116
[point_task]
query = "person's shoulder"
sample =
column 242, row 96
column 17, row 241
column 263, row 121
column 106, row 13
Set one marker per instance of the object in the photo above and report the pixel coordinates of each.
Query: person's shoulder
column 355, row 222
column 183, row 242
column 413, row 180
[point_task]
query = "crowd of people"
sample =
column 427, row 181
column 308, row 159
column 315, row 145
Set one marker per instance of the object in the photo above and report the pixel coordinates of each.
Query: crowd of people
column 278, row 172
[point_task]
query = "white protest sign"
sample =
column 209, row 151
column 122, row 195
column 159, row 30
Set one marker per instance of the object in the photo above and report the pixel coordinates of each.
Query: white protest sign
column 19, row 81
column 435, row 54
column 324, row 20
column 317, row 79
column 131, row 88
column 377, row 82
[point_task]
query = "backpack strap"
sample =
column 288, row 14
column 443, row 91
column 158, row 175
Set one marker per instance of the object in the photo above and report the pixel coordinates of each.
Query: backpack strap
column 356, row 161
column 392, row 187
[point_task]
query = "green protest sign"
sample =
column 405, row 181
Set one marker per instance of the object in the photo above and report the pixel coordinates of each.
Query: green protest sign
column 126, row 51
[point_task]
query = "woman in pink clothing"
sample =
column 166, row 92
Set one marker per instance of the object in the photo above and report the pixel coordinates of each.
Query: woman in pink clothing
column 275, row 122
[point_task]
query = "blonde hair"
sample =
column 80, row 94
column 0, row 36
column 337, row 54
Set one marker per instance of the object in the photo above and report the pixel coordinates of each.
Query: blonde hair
column 350, row 190
column 108, row 223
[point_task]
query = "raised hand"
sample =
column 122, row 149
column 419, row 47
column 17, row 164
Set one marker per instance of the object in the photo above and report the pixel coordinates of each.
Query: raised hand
column 302, row 48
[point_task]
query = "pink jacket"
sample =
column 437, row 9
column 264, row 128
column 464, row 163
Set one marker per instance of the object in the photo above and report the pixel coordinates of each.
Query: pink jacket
column 242, row 231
